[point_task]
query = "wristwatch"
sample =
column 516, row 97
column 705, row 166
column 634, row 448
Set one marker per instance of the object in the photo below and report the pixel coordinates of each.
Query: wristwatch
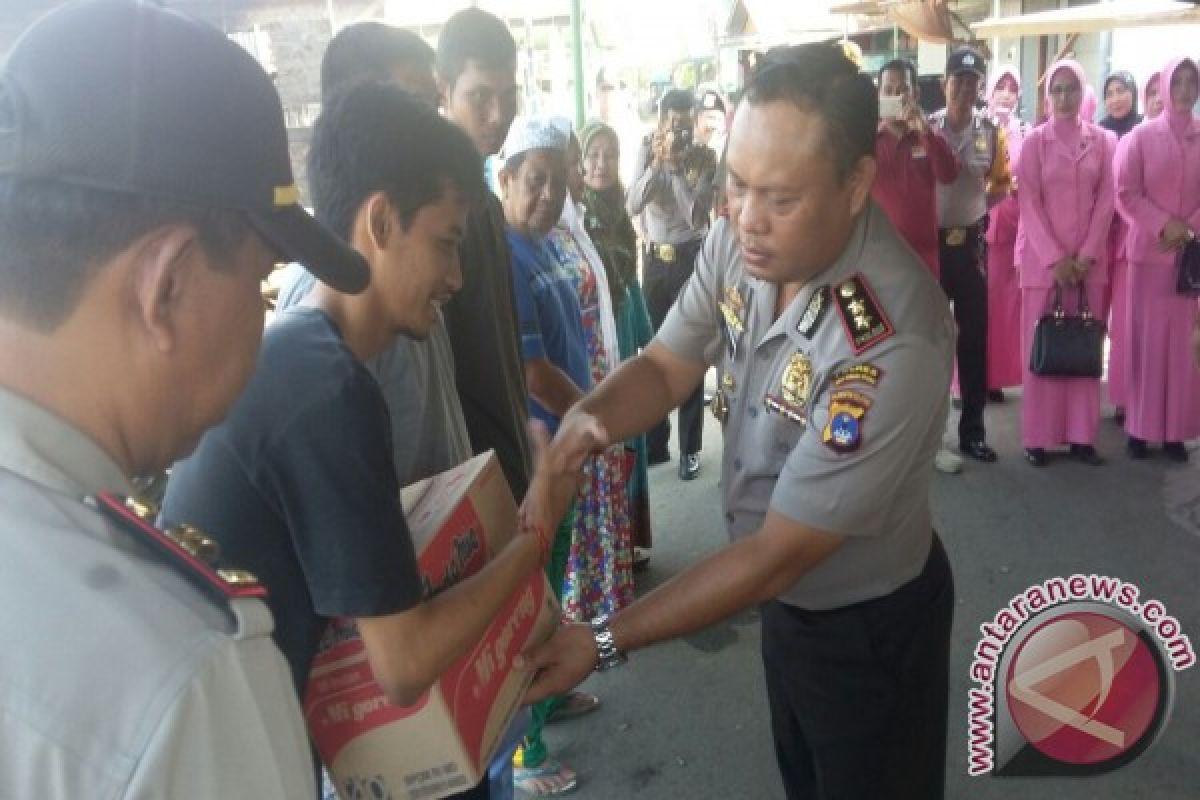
column 607, row 654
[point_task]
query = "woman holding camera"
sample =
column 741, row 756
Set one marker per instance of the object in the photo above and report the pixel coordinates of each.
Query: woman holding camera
column 1066, row 202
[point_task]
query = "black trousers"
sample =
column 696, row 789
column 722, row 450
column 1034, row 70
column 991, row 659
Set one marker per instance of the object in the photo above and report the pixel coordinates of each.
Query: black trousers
column 964, row 280
column 661, row 282
column 858, row 694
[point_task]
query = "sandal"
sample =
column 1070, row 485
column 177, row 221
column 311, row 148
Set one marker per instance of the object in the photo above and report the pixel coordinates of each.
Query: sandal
column 550, row 779
column 575, row 704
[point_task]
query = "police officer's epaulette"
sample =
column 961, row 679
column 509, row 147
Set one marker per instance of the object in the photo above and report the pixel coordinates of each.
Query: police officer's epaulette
column 184, row 548
column 863, row 320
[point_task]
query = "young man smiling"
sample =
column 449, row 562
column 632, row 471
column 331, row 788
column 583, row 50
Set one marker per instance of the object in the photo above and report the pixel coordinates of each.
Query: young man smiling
column 299, row 480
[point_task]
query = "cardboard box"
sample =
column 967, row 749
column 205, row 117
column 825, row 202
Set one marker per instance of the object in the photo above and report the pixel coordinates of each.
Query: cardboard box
column 443, row 744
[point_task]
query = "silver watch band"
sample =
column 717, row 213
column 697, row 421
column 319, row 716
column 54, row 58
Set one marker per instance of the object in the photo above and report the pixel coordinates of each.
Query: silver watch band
column 607, row 655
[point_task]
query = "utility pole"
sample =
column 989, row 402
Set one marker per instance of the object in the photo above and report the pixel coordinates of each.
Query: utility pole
column 577, row 58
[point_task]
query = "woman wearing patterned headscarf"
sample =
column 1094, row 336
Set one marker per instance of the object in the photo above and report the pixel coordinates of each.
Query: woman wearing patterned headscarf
column 1066, row 194
column 1158, row 193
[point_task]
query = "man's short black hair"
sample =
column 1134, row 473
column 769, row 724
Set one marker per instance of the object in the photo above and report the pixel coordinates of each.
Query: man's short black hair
column 374, row 137
column 820, row 78
column 370, row 51
column 474, row 35
column 55, row 237
column 902, row 65
column 678, row 100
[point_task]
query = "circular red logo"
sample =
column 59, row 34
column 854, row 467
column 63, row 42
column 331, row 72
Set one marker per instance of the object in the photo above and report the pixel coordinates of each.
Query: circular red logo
column 1084, row 688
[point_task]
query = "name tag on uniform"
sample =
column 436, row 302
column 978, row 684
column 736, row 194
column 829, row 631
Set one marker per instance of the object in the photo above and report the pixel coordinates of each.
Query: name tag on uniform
column 918, row 152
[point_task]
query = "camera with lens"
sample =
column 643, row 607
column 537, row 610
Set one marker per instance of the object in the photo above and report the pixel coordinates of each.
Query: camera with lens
column 681, row 139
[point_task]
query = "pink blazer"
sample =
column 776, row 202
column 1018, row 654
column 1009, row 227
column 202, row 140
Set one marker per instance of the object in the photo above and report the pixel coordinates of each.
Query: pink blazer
column 1158, row 177
column 1066, row 198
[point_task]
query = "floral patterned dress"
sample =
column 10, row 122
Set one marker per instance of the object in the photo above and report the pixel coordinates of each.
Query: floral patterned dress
column 599, row 575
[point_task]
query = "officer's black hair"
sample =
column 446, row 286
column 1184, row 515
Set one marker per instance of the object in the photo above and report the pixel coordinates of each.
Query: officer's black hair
column 678, row 100
column 474, row 35
column 905, row 66
column 370, row 51
column 374, row 137
column 821, row 79
column 55, row 237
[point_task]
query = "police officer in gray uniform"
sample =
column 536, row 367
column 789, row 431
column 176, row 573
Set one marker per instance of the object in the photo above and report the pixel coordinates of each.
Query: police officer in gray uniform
column 145, row 191
column 983, row 181
column 835, row 347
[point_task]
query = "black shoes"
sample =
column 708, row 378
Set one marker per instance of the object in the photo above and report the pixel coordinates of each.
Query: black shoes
column 1136, row 448
column 654, row 459
column 978, row 450
column 1036, row 456
column 995, row 395
column 689, row 467
column 1176, row 452
column 1087, row 454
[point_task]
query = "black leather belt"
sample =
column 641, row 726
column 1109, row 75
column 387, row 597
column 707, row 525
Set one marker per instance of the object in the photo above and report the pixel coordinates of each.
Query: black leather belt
column 670, row 253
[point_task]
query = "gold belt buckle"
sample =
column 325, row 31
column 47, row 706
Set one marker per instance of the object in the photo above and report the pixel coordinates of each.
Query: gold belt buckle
column 665, row 252
column 956, row 236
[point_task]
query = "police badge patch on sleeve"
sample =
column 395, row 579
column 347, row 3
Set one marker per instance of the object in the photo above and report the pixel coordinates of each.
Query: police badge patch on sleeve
column 847, row 414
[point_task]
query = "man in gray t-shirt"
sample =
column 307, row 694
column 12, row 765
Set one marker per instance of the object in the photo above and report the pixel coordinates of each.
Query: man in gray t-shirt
column 835, row 345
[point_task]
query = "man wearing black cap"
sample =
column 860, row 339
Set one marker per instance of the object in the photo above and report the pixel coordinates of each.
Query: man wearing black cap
column 145, row 191
column 982, row 182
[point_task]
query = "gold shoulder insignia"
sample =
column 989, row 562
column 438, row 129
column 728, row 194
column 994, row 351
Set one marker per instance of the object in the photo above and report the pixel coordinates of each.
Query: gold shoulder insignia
column 188, row 550
column 863, row 320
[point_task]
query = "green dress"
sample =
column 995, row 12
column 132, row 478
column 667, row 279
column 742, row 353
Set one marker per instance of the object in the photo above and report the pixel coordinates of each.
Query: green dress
column 612, row 233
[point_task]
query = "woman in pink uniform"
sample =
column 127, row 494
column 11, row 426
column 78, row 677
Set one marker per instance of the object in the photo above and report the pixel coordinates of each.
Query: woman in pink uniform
column 1004, row 295
column 1121, row 117
column 1158, row 193
column 1065, row 176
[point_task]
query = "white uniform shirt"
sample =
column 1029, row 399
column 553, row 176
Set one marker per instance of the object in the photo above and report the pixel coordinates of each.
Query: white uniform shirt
column 118, row 679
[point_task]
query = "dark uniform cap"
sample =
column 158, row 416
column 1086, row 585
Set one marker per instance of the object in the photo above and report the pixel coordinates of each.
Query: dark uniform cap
column 966, row 59
column 122, row 96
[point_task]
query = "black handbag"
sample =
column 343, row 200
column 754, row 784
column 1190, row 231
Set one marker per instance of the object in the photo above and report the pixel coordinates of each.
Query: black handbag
column 1068, row 346
column 1188, row 263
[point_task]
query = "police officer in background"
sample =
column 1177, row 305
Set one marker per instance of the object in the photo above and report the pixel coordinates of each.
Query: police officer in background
column 835, row 348
column 672, row 192
column 145, row 192
column 983, row 181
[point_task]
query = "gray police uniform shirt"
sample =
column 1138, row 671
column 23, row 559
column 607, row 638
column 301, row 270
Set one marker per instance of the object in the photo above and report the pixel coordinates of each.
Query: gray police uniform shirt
column 673, row 207
column 964, row 202
column 429, row 433
column 119, row 679
column 835, row 410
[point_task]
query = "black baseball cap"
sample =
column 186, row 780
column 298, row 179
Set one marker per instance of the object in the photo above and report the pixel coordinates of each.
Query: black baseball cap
column 966, row 59
column 125, row 96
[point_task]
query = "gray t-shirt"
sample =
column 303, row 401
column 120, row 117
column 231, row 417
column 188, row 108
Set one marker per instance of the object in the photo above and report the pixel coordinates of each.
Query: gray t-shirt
column 429, row 434
column 835, row 410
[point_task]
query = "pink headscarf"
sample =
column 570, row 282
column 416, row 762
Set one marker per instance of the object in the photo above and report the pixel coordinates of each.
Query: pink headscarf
column 1007, row 71
column 1077, row 69
column 1178, row 120
column 1155, row 79
column 1087, row 110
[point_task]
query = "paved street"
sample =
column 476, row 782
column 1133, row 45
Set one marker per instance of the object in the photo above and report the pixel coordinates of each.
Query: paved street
column 688, row 719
